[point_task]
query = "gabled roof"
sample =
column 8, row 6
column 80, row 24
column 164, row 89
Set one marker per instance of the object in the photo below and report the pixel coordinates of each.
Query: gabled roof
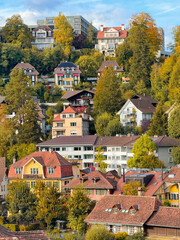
column 174, row 175
column 23, row 65
column 122, row 33
column 67, row 64
column 70, row 94
column 63, row 168
column 146, row 207
column 70, row 109
column 144, row 103
column 165, row 217
column 116, row 141
column 164, row 141
column 110, row 63
column 43, row 27
column 102, row 181
column 70, row 140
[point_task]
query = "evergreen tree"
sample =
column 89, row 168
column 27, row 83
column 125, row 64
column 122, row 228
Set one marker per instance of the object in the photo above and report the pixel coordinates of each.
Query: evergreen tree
column 108, row 94
column 29, row 131
column 158, row 125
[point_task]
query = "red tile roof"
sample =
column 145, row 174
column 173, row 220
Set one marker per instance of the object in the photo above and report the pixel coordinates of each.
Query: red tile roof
column 110, row 63
column 174, row 175
column 122, row 33
column 70, row 109
column 62, row 167
column 166, row 217
column 57, row 118
column 102, row 183
column 146, row 207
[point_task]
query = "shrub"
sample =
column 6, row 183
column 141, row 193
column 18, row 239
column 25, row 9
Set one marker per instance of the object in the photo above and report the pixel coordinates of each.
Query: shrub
column 2, row 221
column 31, row 227
column 119, row 236
column 136, row 236
column 98, row 232
column 22, row 228
column 12, row 227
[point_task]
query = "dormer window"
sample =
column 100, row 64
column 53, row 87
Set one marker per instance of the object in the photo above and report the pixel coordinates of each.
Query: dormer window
column 49, row 33
column 67, row 70
column 83, row 179
column 17, row 170
column 62, row 69
column 72, row 69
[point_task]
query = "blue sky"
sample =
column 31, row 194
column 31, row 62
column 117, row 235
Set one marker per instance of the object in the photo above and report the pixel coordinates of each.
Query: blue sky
column 166, row 13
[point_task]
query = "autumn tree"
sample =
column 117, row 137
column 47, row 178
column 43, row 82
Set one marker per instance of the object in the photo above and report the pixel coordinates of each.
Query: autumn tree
column 108, row 94
column 158, row 125
column 102, row 123
column 176, row 155
column 131, row 188
column 174, row 123
column 15, row 31
column 100, row 159
column 90, row 40
column 78, row 205
column 63, row 33
column 88, row 66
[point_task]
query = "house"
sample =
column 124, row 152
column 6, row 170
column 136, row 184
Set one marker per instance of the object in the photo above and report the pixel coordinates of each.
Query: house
column 3, row 178
column 123, row 213
column 137, row 109
column 66, row 74
column 29, row 71
column 132, row 214
column 51, row 168
column 109, row 38
column 70, row 122
column 43, row 37
column 97, row 184
column 80, row 99
column 117, row 149
column 106, row 64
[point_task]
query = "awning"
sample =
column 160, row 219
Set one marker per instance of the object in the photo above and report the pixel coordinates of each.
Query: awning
column 60, row 75
column 75, row 74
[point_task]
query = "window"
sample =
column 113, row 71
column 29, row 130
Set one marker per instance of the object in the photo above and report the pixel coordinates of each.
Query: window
column 56, row 149
column 59, row 124
column 111, row 228
column 117, row 229
column 73, row 124
column 170, row 159
column 73, row 132
column 77, row 148
column 66, row 182
column 77, row 157
column 70, row 115
column 118, row 158
column 169, row 150
column 118, row 149
column 17, row 170
column 88, row 156
column 131, row 229
column 64, row 116
column 76, row 26
column 34, row 171
column 100, row 192
column 113, row 149
column 88, row 148
column 67, row 70
column 49, row 33
column 59, row 133
column 59, row 77
column 50, row 170
column 63, row 148
column 33, row 184
column 109, row 157
column 76, row 19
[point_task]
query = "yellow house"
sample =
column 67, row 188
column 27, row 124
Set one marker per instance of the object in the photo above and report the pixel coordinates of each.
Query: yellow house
column 51, row 168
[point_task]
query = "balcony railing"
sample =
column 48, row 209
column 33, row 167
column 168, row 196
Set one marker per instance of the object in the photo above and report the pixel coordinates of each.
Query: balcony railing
column 32, row 176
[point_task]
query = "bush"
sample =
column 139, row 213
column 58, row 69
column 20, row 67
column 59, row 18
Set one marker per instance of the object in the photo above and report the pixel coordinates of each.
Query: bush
column 167, row 203
column 31, row 227
column 98, row 232
column 22, row 228
column 2, row 221
column 75, row 236
column 119, row 236
column 12, row 227
column 136, row 236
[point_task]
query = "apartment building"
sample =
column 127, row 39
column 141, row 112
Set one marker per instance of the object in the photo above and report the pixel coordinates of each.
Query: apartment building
column 66, row 74
column 117, row 149
column 70, row 122
column 109, row 38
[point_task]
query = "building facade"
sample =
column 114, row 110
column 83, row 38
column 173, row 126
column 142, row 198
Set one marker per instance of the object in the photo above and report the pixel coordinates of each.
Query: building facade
column 69, row 123
column 109, row 38
column 3, row 178
column 106, row 64
column 66, row 74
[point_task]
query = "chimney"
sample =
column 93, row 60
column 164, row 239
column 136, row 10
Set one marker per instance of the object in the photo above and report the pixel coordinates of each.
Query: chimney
column 119, row 171
column 124, row 180
column 140, row 191
column 2, row 162
column 101, row 28
column 122, row 27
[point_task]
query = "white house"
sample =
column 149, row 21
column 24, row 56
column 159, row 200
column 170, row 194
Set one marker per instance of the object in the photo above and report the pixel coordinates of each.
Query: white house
column 137, row 109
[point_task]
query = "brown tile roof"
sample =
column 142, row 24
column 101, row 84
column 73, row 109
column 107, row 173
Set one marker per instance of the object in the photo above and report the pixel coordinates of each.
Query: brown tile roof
column 23, row 65
column 70, row 94
column 116, row 141
column 62, row 167
column 146, row 207
column 70, row 140
column 66, row 65
column 173, row 175
column 110, row 63
column 164, row 141
column 70, row 109
column 122, row 34
column 165, row 217
column 43, row 27
column 144, row 103
column 112, row 174
column 103, row 182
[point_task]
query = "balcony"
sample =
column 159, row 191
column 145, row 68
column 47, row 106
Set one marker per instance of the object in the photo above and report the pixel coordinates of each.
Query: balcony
column 32, row 176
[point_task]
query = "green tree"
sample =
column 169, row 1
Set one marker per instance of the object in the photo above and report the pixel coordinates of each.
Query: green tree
column 174, row 123
column 158, row 125
column 108, row 94
column 90, row 40
column 63, row 33
column 174, row 82
column 141, row 148
column 99, row 159
column 102, row 122
column 98, row 232
column 20, row 202
column 29, row 131
column 131, row 188
column 78, row 205
column 114, row 127
column 88, row 66
column 176, row 155
column 15, row 31
column 136, row 236
column 16, row 96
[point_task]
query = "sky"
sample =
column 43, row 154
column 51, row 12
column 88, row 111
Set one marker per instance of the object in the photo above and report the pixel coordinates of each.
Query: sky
column 110, row 13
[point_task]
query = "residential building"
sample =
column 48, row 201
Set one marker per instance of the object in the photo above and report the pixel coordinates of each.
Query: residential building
column 29, row 71
column 3, row 178
column 132, row 214
column 50, row 167
column 66, row 74
column 117, row 149
column 109, row 38
column 136, row 110
column 43, row 37
column 106, row 64
column 97, row 184
column 80, row 99
column 70, row 122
